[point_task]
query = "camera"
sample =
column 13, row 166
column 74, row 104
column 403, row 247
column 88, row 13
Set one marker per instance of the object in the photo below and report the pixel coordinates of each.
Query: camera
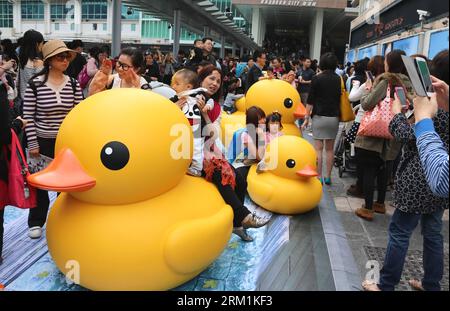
column 423, row 15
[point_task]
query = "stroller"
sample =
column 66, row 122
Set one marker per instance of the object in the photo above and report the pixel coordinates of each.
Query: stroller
column 344, row 152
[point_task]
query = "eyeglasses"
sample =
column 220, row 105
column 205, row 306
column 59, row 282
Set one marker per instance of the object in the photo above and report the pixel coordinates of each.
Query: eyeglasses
column 125, row 67
column 63, row 56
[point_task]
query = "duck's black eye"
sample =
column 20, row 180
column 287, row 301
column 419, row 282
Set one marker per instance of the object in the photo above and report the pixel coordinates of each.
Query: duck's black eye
column 115, row 155
column 288, row 103
column 290, row 163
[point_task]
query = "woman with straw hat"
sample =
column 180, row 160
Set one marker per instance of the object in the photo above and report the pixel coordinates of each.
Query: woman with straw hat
column 49, row 97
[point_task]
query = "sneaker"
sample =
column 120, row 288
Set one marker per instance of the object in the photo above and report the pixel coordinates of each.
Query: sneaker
column 35, row 232
column 327, row 181
column 254, row 221
column 379, row 208
column 364, row 213
column 354, row 191
column 194, row 172
column 242, row 233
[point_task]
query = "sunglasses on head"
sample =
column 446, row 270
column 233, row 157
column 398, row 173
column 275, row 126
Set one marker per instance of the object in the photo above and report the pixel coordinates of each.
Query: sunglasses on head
column 62, row 56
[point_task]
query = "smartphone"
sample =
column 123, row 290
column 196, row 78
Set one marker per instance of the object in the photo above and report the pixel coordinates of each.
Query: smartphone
column 402, row 96
column 370, row 76
column 424, row 74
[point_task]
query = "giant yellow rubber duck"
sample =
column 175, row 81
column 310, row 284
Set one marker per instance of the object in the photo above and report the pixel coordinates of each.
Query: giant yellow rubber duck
column 128, row 215
column 288, row 183
column 277, row 95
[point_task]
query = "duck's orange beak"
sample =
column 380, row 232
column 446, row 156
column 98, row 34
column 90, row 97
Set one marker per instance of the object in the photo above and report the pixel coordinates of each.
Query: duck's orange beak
column 308, row 171
column 64, row 174
column 300, row 112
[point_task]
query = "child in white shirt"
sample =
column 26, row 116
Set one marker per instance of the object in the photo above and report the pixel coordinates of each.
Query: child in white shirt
column 184, row 83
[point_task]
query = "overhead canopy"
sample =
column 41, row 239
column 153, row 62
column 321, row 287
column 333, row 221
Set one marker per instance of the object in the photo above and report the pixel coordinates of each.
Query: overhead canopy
column 196, row 15
column 295, row 17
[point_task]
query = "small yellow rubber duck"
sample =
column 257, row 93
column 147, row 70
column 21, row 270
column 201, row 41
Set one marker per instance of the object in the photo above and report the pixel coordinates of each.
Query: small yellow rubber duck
column 286, row 181
column 128, row 215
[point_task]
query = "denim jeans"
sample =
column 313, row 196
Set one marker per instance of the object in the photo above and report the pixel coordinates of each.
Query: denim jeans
column 400, row 230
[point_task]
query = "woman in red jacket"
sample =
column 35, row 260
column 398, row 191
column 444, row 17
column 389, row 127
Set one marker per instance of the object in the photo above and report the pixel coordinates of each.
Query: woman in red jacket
column 5, row 140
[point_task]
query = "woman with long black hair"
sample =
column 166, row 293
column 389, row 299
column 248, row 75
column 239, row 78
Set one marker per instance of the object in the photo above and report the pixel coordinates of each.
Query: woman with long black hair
column 30, row 58
column 231, row 184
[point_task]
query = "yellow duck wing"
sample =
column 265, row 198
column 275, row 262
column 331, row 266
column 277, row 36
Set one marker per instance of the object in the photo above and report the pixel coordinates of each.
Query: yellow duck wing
column 257, row 186
column 192, row 245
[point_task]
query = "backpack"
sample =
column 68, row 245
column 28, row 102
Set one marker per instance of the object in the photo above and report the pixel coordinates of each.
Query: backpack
column 83, row 78
column 73, row 83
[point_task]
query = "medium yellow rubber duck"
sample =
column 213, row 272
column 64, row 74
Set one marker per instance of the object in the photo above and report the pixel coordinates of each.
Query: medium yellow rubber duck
column 286, row 182
column 128, row 215
column 277, row 95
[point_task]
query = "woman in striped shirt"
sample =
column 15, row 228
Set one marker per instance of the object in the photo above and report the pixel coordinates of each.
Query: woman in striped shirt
column 49, row 97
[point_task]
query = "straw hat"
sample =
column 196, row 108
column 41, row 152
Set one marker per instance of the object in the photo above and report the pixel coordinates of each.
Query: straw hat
column 54, row 47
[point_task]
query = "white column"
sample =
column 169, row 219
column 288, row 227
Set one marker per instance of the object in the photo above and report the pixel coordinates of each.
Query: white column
column 256, row 23
column 233, row 49
column 116, row 28
column 262, row 33
column 77, row 17
column 176, row 32
column 17, row 17
column 47, row 24
column 241, row 52
column 315, row 35
column 109, row 19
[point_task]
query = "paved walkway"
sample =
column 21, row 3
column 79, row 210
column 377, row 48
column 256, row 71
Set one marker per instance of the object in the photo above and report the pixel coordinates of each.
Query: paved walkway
column 368, row 240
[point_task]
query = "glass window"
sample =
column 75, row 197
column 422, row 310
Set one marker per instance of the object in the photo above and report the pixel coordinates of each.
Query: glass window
column 387, row 47
column 72, row 26
column 58, row 11
column 56, row 26
column 94, row 9
column 438, row 42
column 105, row 27
column 129, row 13
column 155, row 28
column 6, row 14
column 351, row 56
column 133, row 27
column 409, row 45
column 32, row 9
column 367, row 52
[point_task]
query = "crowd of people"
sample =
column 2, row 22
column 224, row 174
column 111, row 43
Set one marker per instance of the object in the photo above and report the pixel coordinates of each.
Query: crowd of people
column 40, row 82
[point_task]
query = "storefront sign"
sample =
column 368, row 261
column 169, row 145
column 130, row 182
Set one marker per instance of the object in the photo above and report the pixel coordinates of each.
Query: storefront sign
column 400, row 17
column 331, row 4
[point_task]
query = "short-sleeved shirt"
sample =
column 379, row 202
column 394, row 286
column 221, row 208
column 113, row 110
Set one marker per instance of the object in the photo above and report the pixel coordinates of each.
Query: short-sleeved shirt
column 253, row 76
column 307, row 75
column 270, row 137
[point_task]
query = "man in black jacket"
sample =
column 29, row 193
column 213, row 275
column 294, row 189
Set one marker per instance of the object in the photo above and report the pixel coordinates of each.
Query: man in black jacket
column 255, row 73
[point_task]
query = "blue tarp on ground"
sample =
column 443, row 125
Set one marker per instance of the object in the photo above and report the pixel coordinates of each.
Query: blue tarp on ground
column 31, row 268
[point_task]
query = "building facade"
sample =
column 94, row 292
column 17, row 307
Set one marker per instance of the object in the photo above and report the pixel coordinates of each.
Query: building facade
column 90, row 20
column 415, row 26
